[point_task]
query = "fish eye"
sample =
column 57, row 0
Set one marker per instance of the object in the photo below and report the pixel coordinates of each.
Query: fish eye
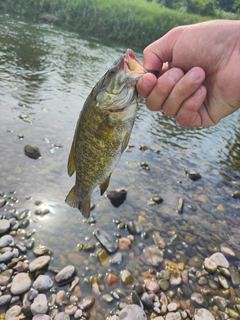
column 112, row 71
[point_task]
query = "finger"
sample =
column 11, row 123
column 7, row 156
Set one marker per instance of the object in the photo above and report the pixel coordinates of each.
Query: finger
column 145, row 84
column 191, row 112
column 188, row 84
column 161, row 51
column 163, row 89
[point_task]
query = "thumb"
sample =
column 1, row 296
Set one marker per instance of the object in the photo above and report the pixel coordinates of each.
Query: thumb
column 161, row 50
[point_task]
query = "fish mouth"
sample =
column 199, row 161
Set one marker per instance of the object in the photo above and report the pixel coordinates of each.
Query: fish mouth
column 133, row 65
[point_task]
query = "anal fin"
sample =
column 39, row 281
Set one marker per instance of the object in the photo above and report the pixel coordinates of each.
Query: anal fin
column 104, row 185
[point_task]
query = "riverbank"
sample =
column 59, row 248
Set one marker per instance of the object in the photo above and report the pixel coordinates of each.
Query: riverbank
column 134, row 24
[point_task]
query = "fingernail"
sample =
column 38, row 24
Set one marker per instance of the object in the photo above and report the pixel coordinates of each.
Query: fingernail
column 174, row 75
column 194, row 75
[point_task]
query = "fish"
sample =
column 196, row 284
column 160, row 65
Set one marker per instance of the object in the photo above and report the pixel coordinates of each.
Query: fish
column 103, row 130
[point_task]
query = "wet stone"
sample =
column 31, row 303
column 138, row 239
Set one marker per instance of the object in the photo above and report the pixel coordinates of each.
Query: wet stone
column 86, row 303
column 203, row 314
column 194, row 175
column 220, row 302
column 132, row 312
column 127, row 277
column 152, row 286
column 38, row 263
column 220, row 260
column 152, row 255
column 107, row 298
column 32, row 151
column 39, row 304
column 226, row 250
column 116, row 196
column 173, row 316
column 235, row 276
column 4, row 225
column 5, row 277
column 65, row 274
column 117, row 258
column 42, row 283
column 134, row 227
column 62, row 316
column 107, row 240
column 6, row 256
column 198, row 299
column 5, row 299
column 13, row 312
column 124, row 243
column 223, row 282
column 147, row 300
column 210, row 265
column 5, row 240
column 21, row 283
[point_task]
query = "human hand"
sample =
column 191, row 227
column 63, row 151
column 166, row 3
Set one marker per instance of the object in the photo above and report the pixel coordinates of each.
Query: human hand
column 199, row 81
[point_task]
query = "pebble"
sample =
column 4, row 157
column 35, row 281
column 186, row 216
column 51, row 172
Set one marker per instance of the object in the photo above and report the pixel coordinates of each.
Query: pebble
column 21, row 283
column 39, row 304
column 116, row 196
column 42, row 283
column 4, row 225
column 5, row 240
column 134, row 227
column 86, row 303
column 132, row 312
column 107, row 240
column 127, row 277
column 32, row 151
column 203, row 314
column 65, row 274
column 124, row 243
column 4, row 300
column 220, row 260
column 62, row 316
column 152, row 286
column 5, row 277
column 210, row 265
column 13, row 312
column 152, row 255
column 38, row 263
column 173, row 316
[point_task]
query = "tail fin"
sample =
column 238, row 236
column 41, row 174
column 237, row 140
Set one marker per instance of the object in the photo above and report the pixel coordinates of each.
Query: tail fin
column 75, row 201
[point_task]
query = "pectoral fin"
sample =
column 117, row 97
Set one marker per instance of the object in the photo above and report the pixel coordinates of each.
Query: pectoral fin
column 75, row 201
column 125, row 141
column 71, row 162
column 104, row 185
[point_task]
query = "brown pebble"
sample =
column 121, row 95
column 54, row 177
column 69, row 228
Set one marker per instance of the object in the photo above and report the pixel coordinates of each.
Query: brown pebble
column 124, row 243
column 111, row 279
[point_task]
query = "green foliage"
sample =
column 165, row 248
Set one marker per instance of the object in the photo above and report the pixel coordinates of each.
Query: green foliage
column 203, row 7
column 135, row 23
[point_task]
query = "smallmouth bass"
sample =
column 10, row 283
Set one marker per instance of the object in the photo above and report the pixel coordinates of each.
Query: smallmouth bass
column 103, row 130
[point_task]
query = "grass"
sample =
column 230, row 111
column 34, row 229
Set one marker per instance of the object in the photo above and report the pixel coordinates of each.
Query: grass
column 135, row 23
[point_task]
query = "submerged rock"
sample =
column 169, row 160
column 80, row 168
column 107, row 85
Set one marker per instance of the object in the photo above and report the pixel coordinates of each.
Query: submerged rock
column 116, row 196
column 107, row 240
column 132, row 312
column 32, row 151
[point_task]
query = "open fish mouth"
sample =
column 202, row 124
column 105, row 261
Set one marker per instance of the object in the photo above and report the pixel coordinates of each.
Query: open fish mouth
column 133, row 64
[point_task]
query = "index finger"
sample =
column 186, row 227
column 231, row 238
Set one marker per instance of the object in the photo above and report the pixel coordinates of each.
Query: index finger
column 161, row 50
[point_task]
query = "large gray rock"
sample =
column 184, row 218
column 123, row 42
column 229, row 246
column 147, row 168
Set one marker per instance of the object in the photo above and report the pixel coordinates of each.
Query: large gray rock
column 132, row 312
column 203, row 314
column 39, row 305
column 21, row 283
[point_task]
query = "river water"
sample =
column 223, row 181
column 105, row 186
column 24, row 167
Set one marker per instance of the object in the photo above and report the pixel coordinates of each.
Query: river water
column 45, row 76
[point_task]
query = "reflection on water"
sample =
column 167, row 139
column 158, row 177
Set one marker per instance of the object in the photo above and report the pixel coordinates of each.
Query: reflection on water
column 45, row 76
